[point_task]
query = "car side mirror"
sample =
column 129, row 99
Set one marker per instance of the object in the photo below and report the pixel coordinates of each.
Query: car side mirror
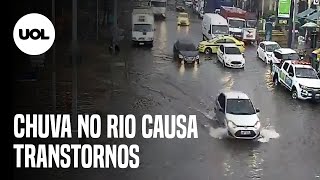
column 257, row 110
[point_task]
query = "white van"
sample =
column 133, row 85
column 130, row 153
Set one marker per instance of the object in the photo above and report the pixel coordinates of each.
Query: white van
column 142, row 26
column 214, row 25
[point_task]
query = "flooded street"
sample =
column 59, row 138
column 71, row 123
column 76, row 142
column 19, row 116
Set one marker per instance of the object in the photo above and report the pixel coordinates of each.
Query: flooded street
column 289, row 145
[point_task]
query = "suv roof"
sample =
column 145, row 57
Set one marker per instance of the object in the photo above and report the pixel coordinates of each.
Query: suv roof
column 285, row 51
column 231, row 94
column 269, row 42
column 300, row 64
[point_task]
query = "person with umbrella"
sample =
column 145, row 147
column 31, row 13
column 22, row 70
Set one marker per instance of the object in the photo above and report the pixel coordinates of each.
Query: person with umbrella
column 310, row 26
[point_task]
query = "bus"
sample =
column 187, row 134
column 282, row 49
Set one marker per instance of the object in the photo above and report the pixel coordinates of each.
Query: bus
column 159, row 7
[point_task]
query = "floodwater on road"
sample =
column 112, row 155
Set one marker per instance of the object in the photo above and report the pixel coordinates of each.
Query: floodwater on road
column 288, row 147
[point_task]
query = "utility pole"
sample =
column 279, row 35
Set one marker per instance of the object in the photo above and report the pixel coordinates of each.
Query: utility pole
column 115, row 25
column 291, row 22
column 74, row 65
column 97, row 20
column 295, row 10
column 54, row 92
column 262, row 8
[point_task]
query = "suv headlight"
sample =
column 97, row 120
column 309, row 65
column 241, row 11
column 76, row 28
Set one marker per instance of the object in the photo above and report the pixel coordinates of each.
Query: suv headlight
column 269, row 55
column 303, row 87
column 257, row 125
column 180, row 56
column 231, row 124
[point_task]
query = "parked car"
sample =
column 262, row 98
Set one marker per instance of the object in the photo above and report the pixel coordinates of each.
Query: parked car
column 236, row 112
column 265, row 50
column 299, row 77
column 230, row 56
column 186, row 51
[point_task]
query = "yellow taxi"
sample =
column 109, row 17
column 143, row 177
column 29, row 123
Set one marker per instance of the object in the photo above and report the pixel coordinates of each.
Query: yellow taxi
column 211, row 46
column 183, row 19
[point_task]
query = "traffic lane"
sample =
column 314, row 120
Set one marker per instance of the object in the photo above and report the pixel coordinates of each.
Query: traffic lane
column 293, row 120
column 181, row 90
column 195, row 88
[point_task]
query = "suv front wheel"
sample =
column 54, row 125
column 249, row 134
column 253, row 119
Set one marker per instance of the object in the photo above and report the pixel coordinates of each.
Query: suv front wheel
column 294, row 93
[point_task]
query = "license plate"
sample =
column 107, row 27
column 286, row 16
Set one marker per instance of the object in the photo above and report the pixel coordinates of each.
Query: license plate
column 141, row 43
column 245, row 132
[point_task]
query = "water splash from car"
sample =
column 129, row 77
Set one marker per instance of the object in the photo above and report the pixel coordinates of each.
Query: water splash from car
column 267, row 134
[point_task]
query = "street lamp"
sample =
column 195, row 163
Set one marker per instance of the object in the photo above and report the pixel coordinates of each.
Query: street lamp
column 74, row 65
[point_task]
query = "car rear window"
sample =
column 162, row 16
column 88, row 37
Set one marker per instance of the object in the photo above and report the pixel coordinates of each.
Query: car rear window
column 187, row 47
column 232, row 50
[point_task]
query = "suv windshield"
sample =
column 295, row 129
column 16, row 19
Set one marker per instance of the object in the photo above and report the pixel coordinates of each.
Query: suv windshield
column 272, row 47
column 251, row 23
column 232, row 50
column 183, row 15
column 236, row 23
column 142, row 27
column 216, row 29
column 187, row 47
column 158, row 4
column 292, row 56
column 306, row 73
column 240, row 107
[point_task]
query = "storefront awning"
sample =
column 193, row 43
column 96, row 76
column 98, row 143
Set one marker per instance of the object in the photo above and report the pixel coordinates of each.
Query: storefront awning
column 306, row 13
column 314, row 17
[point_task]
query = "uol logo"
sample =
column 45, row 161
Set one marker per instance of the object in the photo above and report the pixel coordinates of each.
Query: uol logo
column 34, row 34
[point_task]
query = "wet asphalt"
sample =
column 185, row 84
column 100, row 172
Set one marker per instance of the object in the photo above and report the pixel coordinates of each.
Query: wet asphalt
column 289, row 146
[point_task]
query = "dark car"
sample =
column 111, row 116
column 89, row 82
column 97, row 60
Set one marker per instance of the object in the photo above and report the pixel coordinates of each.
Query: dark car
column 186, row 51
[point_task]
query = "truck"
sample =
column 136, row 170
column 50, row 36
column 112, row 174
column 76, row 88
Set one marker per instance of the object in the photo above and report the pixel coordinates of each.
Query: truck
column 143, row 26
column 159, row 8
column 210, row 6
column 239, row 24
column 299, row 77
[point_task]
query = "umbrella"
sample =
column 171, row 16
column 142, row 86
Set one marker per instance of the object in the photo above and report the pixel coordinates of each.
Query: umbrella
column 310, row 25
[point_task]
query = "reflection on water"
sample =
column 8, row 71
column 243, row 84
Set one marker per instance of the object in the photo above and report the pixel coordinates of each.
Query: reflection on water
column 195, row 71
column 183, row 30
column 182, row 69
column 228, row 81
column 162, row 43
column 227, row 169
column 255, row 164
column 268, row 79
column 189, row 67
column 243, row 160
